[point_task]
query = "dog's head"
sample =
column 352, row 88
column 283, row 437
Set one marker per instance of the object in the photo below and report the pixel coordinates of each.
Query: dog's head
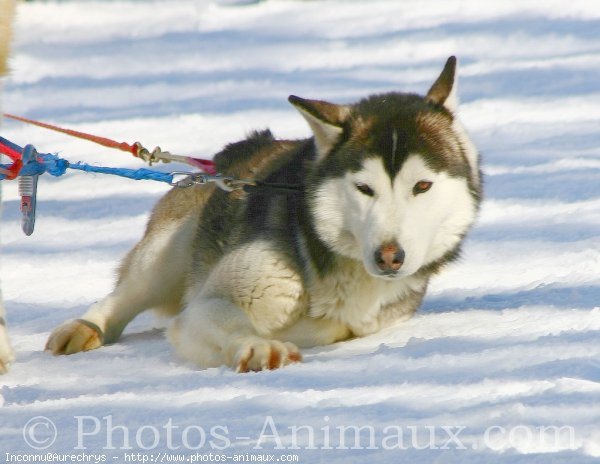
column 396, row 180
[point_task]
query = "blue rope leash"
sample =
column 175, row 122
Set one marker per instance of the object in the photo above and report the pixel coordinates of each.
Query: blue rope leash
column 56, row 167
column 135, row 174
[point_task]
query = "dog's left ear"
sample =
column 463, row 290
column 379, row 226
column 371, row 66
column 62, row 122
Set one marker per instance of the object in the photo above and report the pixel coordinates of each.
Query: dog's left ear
column 325, row 119
column 443, row 90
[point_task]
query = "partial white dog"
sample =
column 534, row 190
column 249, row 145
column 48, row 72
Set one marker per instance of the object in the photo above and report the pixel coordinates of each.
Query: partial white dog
column 7, row 8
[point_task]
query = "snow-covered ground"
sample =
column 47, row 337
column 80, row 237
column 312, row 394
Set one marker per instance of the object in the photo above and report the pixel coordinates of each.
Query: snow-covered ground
column 501, row 364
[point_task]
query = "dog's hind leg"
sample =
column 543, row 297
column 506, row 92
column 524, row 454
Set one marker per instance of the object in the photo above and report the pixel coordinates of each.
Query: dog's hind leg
column 7, row 8
column 6, row 352
column 152, row 275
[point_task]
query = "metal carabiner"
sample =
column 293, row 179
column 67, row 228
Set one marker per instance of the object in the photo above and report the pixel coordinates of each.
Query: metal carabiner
column 230, row 184
column 227, row 184
column 189, row 179
column 28, row 192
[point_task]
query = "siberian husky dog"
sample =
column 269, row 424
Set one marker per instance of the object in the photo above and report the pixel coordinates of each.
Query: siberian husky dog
column 377, row 201
column 6, row 14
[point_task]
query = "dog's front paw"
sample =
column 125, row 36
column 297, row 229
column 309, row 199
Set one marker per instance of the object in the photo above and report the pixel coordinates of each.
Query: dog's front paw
column 258, row 354
column 6, row 359
column 75, row 336
column 6, row 352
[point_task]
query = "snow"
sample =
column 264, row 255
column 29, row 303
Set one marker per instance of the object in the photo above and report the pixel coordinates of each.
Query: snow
column 507, row 343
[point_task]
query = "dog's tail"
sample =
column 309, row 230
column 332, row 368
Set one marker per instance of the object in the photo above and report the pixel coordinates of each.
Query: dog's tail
column 7, row 10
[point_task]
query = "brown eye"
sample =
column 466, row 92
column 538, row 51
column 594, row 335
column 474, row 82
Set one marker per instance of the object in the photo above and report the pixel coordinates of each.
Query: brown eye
column 422, row 186
column 365, row 189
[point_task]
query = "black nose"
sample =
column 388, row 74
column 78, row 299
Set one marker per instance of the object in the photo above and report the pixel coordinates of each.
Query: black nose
column 389, row 257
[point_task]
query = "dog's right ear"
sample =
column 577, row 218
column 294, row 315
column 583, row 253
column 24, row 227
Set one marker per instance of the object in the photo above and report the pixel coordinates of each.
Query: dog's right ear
column 325, row 119
column 443, row 90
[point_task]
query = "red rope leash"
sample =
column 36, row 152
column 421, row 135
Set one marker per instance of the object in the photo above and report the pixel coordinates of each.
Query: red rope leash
column 123, row 146
column 136, row 149
column 12, row 171
column 10, row 152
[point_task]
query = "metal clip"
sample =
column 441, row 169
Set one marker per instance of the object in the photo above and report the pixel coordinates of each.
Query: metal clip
column 224, row 183
column 189, row 179
column 230, row 184
column 227, row 184
column 28, row 192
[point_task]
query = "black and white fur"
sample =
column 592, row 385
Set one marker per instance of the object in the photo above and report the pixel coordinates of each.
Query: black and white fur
column 391, row 185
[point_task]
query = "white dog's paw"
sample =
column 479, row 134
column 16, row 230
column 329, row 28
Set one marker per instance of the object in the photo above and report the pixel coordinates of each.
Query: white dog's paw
column 6, row 359
column 6, row 352
column 258, row 354
column 73, row 337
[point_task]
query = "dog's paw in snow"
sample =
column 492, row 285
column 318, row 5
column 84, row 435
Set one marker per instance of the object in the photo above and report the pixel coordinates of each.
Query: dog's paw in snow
column 73, row 337
column 6, row 352
column 258, row 354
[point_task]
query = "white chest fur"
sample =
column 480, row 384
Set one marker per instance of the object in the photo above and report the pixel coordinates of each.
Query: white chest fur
column 353, row 297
